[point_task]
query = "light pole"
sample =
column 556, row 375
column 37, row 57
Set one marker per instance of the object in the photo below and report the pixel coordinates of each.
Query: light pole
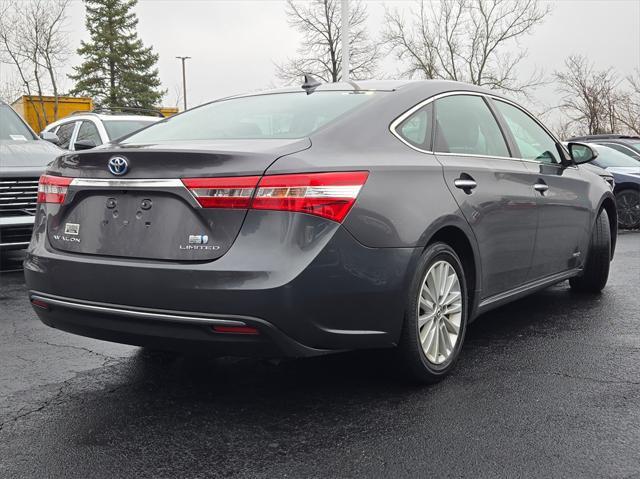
column 184, row 81
column 345, row 40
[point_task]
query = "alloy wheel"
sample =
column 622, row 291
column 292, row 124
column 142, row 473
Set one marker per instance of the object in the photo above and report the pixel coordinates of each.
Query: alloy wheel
column 628, row 208
column 440, row 312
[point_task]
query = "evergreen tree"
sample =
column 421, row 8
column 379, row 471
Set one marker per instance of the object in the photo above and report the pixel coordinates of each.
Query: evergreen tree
column 117, row 69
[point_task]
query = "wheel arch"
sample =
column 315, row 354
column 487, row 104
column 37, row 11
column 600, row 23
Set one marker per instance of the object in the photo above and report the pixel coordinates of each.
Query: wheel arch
column 457, row 234
column 625, row 186
column 608, row 203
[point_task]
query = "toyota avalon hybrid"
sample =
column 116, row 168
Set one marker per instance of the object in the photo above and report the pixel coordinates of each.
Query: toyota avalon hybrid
column 301, row 222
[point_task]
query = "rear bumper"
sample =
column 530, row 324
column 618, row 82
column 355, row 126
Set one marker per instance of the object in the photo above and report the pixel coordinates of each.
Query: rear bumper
column 305, row 283
column 162, row 329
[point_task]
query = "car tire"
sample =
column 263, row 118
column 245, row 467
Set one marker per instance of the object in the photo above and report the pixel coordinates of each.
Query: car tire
column 429, row 346
column 596, row 269
column 628, row 202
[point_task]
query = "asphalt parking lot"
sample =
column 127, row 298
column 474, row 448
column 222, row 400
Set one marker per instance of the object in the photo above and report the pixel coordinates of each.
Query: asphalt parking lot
column 546, row 387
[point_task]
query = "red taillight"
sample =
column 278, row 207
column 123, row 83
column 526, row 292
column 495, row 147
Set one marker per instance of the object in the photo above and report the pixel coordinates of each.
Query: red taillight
column 222, row 192
column 329, row 195
column 53, row 189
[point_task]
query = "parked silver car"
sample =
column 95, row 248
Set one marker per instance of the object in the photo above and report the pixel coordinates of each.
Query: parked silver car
column 86, row 130
column 23, row 158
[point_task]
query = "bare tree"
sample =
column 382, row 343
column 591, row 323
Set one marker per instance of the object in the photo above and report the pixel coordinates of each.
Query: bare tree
column 465, row 40
column 589, row 96
column 34, row 41
column 320, row 53
column 10, row 88
column 628, row 111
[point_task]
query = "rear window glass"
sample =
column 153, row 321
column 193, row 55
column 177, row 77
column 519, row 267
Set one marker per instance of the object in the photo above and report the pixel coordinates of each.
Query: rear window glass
column 608, row 157
column 11, row 126
column 281, row 115
column 119, row 128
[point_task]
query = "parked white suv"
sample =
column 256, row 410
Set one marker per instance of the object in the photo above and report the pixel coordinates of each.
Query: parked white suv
column 86, row 130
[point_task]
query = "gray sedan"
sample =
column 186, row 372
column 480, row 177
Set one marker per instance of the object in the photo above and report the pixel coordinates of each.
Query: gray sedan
column 312, row 220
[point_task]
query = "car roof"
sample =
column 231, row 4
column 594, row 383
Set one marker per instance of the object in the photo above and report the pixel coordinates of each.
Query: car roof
column 101, row 117
column 410, row 88
column 605, row 137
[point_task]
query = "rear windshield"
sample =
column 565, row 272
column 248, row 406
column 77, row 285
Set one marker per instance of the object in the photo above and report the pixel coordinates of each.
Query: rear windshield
column 281, row 115
column 11, row 126
column 608, row 157
column 119, row 128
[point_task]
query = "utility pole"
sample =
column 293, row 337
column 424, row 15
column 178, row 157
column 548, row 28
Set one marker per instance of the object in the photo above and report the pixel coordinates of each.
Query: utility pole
column 184, row 81
column 345, row 40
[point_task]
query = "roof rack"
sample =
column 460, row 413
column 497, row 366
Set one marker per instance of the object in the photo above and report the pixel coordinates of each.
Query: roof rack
column 120, row 110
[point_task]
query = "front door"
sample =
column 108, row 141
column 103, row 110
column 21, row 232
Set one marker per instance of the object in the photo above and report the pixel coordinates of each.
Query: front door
column 493, row 190
column 562, row 195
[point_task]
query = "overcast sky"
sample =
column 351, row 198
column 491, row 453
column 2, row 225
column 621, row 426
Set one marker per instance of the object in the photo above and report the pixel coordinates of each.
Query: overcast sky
column 234, row 43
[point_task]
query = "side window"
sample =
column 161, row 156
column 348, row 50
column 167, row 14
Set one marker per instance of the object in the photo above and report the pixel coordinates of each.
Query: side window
column 416, row 129
column 533, row 142
column 89, row 132
column 465, row 125
column 64, row 134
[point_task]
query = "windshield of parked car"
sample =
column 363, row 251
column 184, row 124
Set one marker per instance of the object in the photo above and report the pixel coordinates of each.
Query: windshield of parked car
column 119, row 128
column 280, row 115
column 608, row 157
column 11, row 126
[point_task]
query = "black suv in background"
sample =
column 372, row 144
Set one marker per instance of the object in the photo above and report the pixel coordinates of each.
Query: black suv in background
column 23, row 158
column 629, row 145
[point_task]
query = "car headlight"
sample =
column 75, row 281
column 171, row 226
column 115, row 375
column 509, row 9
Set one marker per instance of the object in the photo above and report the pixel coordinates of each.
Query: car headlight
column 610, row 180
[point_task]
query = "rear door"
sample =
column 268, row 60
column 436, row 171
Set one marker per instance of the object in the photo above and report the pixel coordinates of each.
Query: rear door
column 88, row 132
column 492, row 189
column 561, row 192
column 66, row 132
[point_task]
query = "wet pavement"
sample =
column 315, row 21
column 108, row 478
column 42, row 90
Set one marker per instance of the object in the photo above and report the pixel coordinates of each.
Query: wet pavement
column 548, row 386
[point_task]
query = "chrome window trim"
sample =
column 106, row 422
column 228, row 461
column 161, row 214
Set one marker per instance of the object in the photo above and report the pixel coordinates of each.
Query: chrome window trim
column 394, row 124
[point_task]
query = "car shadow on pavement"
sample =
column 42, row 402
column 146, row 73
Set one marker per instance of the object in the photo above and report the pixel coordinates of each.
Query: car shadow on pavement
column 229, row 415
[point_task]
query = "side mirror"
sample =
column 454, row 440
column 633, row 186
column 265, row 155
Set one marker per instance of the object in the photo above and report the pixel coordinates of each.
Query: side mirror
column 581, row 153
column 50, row 137
column 84, row 145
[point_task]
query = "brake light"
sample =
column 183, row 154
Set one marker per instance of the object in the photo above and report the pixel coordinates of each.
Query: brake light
column 329, row 195
column 52, row 189
column 233, row 192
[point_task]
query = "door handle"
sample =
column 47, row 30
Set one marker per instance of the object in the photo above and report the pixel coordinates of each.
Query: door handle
column 465, row 183
column 541, row 187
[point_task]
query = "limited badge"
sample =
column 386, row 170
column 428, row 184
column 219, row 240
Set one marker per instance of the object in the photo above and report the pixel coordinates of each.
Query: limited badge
column 72, row 229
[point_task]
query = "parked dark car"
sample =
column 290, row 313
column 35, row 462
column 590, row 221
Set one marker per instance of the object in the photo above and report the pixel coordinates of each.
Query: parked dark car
column 627, row 144
column 626, row 174
column 23, row 158
column 305, row 222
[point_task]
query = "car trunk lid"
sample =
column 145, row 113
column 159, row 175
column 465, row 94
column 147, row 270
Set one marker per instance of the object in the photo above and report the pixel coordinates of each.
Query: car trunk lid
column 147, row 212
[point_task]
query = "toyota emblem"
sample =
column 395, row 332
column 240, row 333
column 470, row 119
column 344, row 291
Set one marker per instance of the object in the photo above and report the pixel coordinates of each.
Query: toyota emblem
column 118, row 165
